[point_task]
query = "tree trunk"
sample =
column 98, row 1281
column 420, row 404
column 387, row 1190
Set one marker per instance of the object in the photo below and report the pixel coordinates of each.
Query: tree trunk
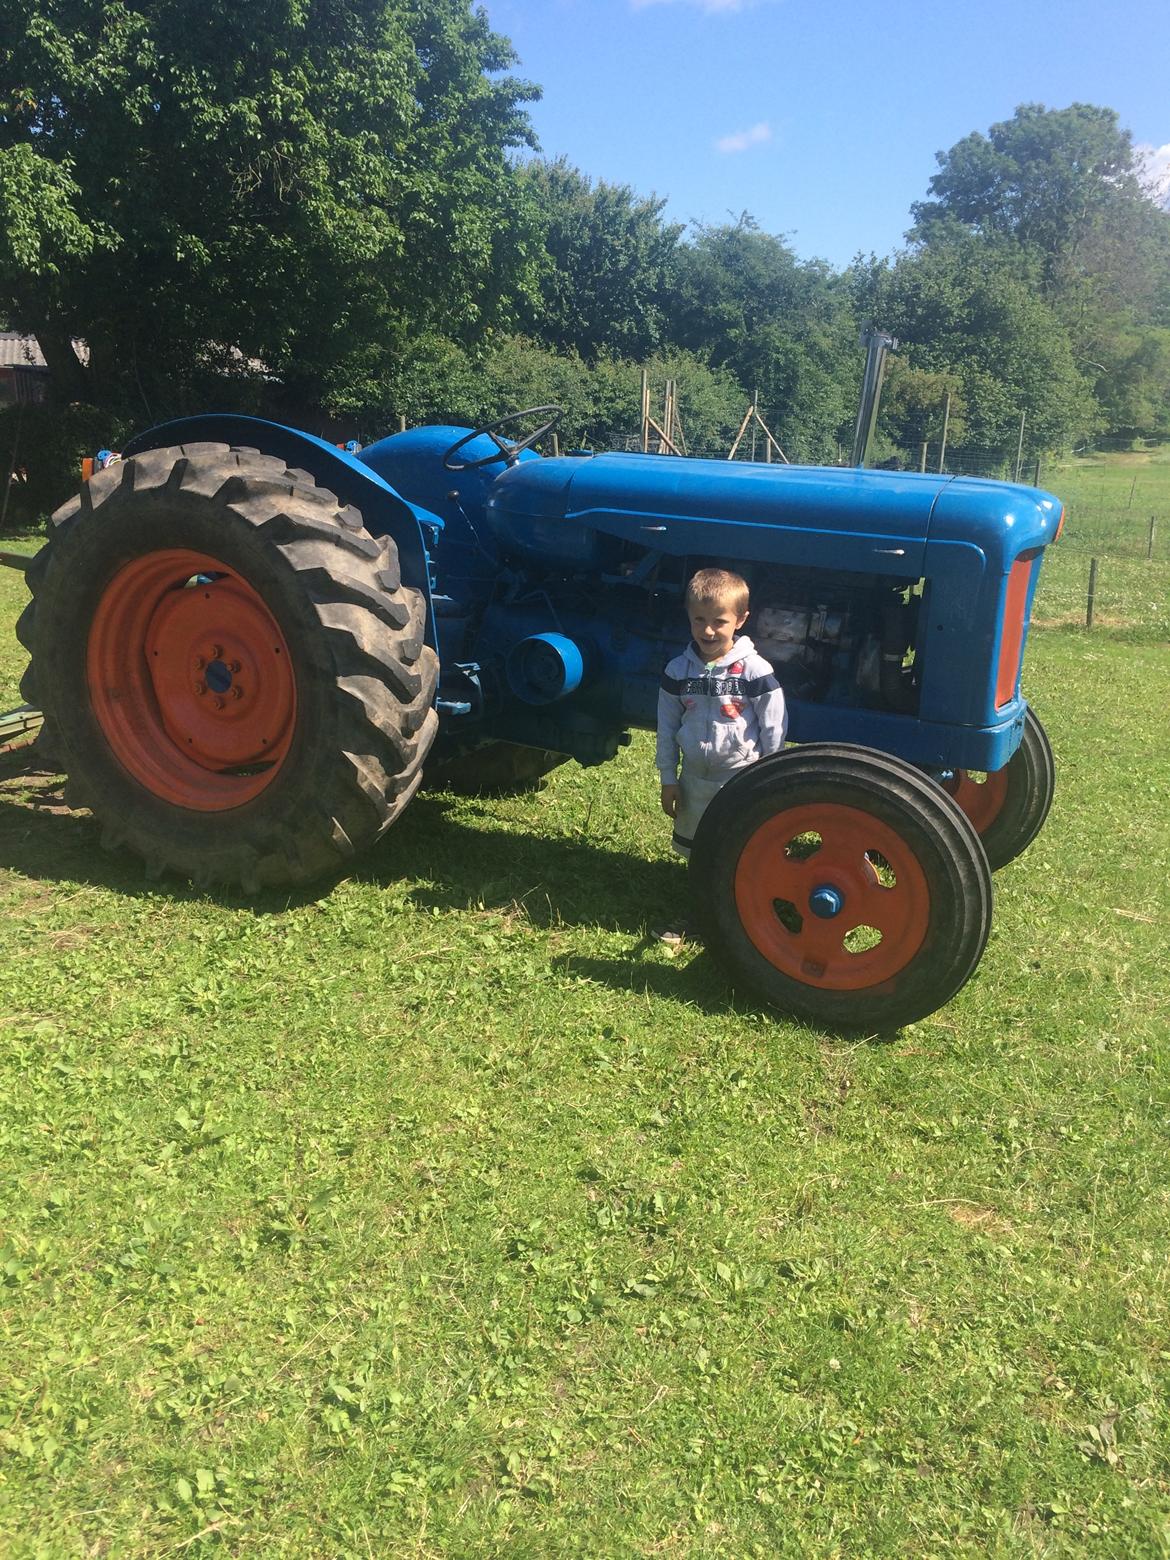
column 68, row 379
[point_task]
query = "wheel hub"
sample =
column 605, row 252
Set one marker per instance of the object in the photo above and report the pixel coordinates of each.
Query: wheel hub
column 864, row 889
column 191, row 680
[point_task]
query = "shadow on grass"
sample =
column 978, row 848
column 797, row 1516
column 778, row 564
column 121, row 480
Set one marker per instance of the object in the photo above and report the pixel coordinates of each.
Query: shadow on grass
column 447, row 863
column 555, row 880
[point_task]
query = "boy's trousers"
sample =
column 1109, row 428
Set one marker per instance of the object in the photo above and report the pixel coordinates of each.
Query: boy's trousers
column 695, row 795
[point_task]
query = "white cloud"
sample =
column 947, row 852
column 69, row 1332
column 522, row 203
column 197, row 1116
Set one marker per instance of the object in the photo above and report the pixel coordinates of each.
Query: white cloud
column 1154, row 169
column 758, row 135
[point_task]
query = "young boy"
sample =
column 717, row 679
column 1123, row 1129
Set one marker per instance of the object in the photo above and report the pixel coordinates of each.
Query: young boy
column 720, row 706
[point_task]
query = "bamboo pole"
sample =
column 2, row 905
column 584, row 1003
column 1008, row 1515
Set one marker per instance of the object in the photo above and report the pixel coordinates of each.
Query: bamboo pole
column 773, row 441
column 747, row 417
column 1092, row 592
column 663, row 439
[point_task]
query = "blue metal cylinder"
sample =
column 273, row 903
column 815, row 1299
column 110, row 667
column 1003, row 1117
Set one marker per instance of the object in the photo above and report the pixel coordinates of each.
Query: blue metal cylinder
column 545, row 667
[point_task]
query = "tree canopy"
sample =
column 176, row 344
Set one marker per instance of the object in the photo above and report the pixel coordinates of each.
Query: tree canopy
column 331, row 206
column 306, row 184
column 608, row 259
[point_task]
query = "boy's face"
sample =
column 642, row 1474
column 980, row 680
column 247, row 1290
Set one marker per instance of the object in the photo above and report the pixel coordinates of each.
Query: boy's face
column 714, row 627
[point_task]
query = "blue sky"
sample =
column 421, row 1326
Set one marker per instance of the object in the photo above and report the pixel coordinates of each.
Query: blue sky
column 821, row 120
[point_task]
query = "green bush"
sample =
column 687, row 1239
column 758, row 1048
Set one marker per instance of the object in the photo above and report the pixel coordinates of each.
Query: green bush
column 48, row 443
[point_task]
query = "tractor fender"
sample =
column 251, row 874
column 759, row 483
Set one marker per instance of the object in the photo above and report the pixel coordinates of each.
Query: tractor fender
column 384, row 511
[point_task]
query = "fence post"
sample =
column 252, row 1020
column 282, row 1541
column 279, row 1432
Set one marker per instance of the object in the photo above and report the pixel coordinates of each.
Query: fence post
column 1150, row 539
column 1092, row 592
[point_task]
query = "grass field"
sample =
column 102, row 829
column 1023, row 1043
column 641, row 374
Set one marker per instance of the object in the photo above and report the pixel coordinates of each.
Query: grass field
column 443, row 1213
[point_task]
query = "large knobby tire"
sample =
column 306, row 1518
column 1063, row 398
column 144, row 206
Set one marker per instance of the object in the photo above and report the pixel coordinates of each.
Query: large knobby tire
column 1008, row 806
column 496, row 769
column 843, row 886
column 232, row 673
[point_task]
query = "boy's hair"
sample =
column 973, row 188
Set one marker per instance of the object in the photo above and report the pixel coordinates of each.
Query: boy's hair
column 719, row 585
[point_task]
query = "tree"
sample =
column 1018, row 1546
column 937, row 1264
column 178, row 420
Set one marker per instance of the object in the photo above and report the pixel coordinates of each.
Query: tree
column 1061, row 191
column 198, row 186
column 1046, row 178
column 608, row 258
column 915, row 402
column 974, row 310
column 782, row 327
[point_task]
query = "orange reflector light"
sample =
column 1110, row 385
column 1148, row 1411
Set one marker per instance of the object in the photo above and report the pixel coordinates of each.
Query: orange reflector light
column 1011, row 643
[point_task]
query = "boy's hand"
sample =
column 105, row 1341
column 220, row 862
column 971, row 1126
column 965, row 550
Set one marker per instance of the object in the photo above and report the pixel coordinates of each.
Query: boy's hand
column 670, row 799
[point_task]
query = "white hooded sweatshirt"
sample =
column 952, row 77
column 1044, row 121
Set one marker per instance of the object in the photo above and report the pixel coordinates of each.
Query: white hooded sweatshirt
column 718, row 718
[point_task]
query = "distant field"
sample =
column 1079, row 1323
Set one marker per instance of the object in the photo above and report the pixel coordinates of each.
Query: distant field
column 1109, row 502
column 1111, row 499
column 442, row 1213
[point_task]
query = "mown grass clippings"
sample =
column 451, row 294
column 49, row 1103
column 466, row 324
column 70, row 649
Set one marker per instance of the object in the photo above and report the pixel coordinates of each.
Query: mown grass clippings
column 440, row 1212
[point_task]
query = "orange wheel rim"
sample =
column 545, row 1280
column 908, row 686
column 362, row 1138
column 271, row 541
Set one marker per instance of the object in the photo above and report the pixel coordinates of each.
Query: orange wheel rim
column 190, row 680
column 832, row 897
column 981, row 800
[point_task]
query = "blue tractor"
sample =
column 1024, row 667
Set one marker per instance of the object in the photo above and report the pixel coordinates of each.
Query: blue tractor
column 250, row 647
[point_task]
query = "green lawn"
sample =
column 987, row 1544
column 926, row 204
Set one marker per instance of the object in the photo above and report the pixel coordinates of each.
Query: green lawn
column 444, row 1214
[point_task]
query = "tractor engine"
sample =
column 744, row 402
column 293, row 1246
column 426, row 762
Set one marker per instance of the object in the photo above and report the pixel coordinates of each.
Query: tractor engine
column 844, row 640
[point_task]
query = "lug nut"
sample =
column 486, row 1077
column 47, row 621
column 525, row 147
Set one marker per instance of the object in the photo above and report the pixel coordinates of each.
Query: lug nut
column 235, row 668
column 200, row 663
column 219, row 704
column 200, row 687
column 237, row 692
column 215, row 653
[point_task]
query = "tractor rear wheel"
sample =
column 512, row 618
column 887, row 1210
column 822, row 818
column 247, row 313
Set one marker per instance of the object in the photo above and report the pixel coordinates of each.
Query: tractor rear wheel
column 1008, row 806
column 232, row 673
column 842, row 885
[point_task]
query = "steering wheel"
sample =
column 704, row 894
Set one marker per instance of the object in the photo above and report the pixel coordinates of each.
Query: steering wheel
column 505, row 449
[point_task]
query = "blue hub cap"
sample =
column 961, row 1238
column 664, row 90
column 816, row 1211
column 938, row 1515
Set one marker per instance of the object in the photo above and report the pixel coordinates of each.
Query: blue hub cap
column 826, row 901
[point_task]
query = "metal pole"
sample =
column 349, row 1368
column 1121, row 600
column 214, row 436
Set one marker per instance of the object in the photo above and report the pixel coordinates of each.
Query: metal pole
column 645, row 412
column 942, row 449
column 922, row 460
column 878, row 345
column 1150, row 539
column 1020, row 445
column 1092, row 592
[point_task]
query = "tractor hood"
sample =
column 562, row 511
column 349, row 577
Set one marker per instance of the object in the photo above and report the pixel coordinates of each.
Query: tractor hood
column 570, row 512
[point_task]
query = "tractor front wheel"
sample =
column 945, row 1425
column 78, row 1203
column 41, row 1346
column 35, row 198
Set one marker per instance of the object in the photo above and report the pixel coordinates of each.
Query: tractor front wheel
column 843, row 886
column 232, row 673
column 1008, row 806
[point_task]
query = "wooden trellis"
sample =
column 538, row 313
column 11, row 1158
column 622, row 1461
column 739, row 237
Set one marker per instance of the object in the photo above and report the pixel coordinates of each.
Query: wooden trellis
column 671, row 439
